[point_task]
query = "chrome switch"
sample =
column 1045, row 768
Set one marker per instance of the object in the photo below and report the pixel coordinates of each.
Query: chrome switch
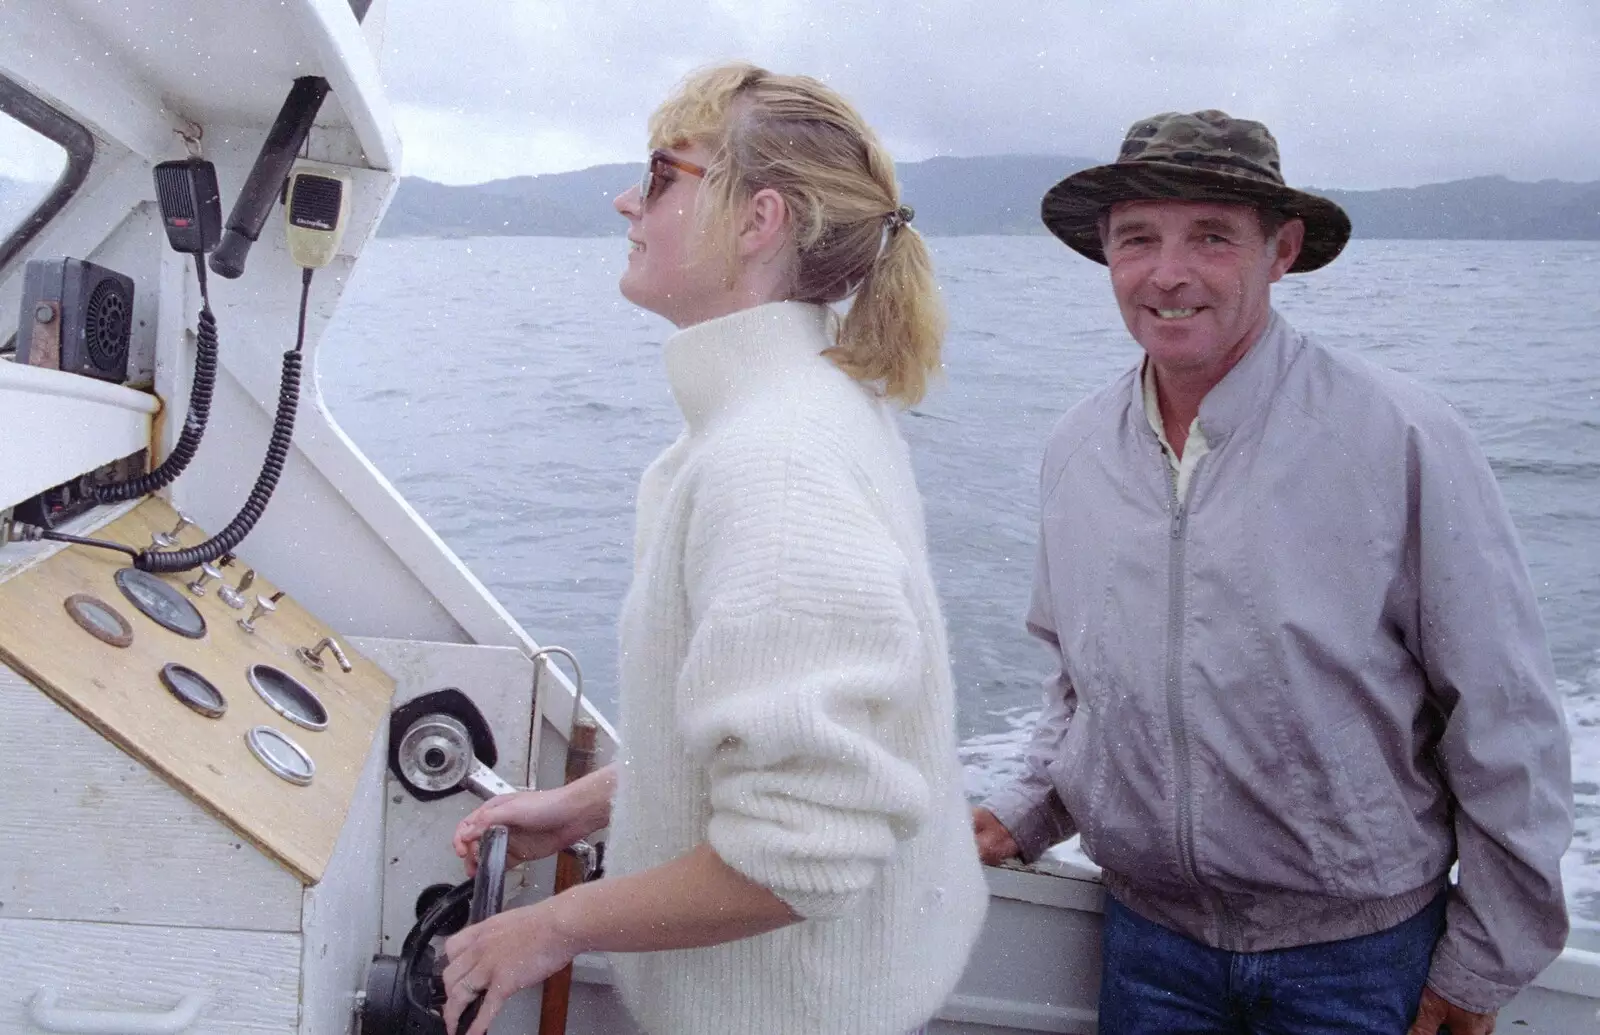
column 208, row 572
column 234, row 598
column 167, row 540
column 264, row 607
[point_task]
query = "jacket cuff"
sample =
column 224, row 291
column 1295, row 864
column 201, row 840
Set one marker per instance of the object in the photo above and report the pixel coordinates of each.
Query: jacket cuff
column 1461, row 987
column 1034, row 824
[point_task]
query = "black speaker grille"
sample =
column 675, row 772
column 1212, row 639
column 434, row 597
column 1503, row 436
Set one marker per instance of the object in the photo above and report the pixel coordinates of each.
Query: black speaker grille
column 315, row 202
column 172, row 190
column 106, row 324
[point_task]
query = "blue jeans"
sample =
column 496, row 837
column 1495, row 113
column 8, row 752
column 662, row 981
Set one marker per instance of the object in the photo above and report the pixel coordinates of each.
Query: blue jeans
column 1158, row 982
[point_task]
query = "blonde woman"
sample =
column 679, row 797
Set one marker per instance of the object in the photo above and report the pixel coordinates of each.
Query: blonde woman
column 790, row 849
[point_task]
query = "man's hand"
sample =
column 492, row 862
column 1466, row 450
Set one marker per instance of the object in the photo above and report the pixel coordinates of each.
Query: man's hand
column 1435, row 1012
column 995, row 843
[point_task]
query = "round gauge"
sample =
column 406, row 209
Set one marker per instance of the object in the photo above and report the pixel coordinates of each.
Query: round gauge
column 283, row 756
column 194, row 690
column 161, row 603
column 289, row 697
column 99, row 619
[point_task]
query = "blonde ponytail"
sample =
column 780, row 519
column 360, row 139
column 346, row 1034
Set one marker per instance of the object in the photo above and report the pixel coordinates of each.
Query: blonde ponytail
column 800, row 138
column 896, row 324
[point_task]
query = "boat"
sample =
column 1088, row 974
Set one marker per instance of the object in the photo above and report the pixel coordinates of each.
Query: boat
column 210, row 830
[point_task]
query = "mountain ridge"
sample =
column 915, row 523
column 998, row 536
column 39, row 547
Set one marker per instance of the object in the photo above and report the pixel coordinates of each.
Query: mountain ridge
column 953, row 196
column 998, row 195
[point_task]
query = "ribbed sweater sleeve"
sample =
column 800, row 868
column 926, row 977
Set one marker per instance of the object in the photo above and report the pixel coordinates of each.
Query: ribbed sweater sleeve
column 804, row 652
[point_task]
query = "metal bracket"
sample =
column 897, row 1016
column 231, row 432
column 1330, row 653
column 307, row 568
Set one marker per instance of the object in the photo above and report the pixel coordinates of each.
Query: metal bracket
column 192, row 133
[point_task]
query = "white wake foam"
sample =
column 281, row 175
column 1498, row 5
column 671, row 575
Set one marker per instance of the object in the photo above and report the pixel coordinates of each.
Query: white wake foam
column 1580, row 867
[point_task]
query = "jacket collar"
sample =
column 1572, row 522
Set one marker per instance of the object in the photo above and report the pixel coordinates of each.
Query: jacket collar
column 711, row 366
column 1244, row 390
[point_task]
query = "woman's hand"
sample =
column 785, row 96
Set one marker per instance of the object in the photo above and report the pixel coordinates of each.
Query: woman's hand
column 499, row 957
column 689, row 902
column 541, row 823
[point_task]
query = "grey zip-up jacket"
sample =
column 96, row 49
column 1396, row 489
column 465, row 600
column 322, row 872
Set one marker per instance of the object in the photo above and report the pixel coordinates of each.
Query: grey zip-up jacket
column 1288, row 702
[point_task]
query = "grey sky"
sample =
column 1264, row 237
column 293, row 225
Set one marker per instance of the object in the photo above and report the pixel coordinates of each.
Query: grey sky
column 1360, row 93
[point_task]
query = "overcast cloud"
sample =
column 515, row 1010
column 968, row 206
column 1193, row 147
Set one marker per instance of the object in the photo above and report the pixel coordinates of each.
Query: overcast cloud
column 1360, row 93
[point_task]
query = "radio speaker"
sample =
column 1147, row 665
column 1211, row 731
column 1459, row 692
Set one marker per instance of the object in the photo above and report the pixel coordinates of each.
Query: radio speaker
column 76, row 317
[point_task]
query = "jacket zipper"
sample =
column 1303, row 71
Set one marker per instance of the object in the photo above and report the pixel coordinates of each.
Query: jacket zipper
column 1178, row 533
column 1184, row 815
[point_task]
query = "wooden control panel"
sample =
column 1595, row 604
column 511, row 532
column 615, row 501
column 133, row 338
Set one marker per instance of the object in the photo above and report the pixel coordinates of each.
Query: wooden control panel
column 119, row 691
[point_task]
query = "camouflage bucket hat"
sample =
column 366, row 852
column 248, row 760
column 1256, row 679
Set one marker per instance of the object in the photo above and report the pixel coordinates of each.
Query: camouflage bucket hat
column 1205, row 156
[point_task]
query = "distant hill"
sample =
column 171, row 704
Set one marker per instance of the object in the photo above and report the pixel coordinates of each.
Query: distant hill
column 951, row 196
column 1484, row 208
column 989, row 195
column 957, row 196
column 994, row 195
column 569, row 204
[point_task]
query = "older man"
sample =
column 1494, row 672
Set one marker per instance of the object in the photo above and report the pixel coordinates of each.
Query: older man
column 1301, row 667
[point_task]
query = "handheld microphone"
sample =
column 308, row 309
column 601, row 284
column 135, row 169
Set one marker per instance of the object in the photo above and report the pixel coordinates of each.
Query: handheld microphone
column 191, row 205
column 318, row 202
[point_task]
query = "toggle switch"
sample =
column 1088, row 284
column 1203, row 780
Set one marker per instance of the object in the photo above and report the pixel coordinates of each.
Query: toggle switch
column 264, row 606
column 208, row 572
column 167, row 540
column 234, row 597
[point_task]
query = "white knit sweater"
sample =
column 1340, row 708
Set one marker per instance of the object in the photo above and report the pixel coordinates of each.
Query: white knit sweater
column 786, row 695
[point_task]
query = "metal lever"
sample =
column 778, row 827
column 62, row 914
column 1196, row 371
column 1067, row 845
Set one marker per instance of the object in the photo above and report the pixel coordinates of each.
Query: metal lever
column 208, row 571
column 264, row 606
column 435, row 754
column 485, row 782
column 312, row 656
column 167, row 540
column 234, row 598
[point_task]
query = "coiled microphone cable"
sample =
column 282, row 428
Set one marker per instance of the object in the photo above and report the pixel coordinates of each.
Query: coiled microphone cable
column 317, row 203
column 194, row 425
column 163, row 561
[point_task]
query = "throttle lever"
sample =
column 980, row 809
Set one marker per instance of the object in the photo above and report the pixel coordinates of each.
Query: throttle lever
column 435, row 756
column 485, row 782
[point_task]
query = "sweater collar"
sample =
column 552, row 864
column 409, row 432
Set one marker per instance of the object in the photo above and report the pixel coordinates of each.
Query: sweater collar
column 712, row 365
column 1245, row 389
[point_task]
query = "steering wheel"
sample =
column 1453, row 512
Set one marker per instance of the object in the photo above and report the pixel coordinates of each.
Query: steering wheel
column 488, row 894
column 488, row 889
column 406, row 994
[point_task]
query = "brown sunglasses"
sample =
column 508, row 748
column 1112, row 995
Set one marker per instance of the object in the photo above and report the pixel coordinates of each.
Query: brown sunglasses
column 655, row 177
